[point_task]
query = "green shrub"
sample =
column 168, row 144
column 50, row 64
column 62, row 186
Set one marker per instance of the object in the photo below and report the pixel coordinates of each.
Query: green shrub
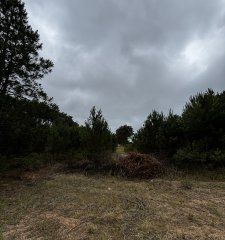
column 190, row 157
column 77, row 160
column 33, row 161
column 129, row 148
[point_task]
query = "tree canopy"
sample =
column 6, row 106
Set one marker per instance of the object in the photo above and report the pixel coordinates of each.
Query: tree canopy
column 123, row 133
column 20, row 63
column 96, row 138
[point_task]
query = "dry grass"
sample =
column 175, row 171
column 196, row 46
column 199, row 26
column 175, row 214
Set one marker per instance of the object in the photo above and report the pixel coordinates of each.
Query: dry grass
column 74, row 206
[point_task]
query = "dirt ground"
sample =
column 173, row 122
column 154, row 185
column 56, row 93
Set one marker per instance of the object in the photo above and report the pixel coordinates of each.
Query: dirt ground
column 75, row 206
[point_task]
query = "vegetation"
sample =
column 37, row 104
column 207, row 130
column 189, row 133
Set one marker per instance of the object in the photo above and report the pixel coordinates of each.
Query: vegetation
column 74, row 206
column 32, row 125
column 96, row 138
column 204, row 130
column 159, row 134
column 34, row 134
column 20, row 63
column 196, row 138
column 123, row 134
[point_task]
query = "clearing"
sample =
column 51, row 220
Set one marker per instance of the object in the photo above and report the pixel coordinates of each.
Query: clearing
column 75, row 206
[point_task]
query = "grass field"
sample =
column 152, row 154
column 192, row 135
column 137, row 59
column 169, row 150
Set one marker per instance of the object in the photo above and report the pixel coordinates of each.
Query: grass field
column 75, row 206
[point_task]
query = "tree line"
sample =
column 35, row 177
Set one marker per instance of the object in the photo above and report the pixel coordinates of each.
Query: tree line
column 32, row 127
column 196, row 137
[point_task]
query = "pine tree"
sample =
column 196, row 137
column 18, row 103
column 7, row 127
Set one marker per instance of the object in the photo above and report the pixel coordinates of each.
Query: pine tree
column 20, row 63
column 97, row 137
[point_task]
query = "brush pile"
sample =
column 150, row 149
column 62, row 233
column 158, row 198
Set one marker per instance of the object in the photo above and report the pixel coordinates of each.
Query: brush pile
column 142, row 166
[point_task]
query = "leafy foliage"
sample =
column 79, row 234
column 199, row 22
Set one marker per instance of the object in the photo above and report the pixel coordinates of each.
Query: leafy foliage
column 123, row 133
column 20, row 64
column 203, row 120
column 204, row 130
column 31, row 126
column 96, row 138
column 190, row 157
column 196, row 138
column 159, row 134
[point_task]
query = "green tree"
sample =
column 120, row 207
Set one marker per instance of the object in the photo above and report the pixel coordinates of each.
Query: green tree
column 160, row 134
column 20, row 63
column 32, row 126
column 173, row 133
column 63, row 136
column 204, row 130
column 199, row 116
column 123, row 133
column 150, row 138
column 96, row 138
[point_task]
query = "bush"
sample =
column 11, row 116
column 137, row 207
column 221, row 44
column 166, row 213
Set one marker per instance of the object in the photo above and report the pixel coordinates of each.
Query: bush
column 32, row 161
column 189, row 157
column 129, row 148
column 141, row 166
column 75, row 160
column 80, row 162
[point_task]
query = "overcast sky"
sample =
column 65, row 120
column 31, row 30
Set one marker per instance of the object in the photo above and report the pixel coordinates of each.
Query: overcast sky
column 129, row 57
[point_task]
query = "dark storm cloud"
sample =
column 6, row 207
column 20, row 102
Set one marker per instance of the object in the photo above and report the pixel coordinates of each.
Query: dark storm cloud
column 129, row 57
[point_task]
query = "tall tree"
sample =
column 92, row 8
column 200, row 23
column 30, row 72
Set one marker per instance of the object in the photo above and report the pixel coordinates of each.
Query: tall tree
column 20, row 63
column 123, row 133
column 96, row 137
column 150, row 138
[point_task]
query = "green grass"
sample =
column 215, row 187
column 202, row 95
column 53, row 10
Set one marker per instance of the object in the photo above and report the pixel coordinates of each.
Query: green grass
column 74, row 206
column 120, row 150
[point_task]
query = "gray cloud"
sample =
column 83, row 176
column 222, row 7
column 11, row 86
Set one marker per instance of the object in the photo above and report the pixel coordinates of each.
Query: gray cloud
column 129, row 57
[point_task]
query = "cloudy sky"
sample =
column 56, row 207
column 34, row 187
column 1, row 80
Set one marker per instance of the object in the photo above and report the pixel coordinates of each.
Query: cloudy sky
column 129, row 57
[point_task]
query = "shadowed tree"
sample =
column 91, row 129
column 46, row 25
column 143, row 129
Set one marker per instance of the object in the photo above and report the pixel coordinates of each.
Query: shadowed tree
column 123, row 133
column 150, row 138
column 96, row 137
column 20, row 63
column 35, row 127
